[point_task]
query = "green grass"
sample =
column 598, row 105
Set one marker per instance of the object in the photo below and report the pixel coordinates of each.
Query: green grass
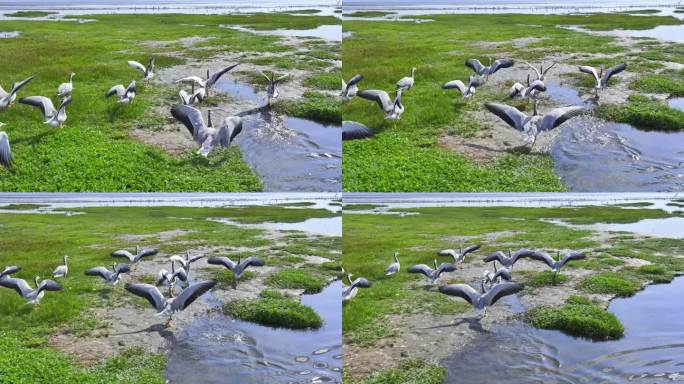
column 368, row 14
column 659, row 83
column 360, row 207
column 414, row 371
column 296, row 279
column 22, row 207
column 545, row 278
column 29, row 14
column 578, row 317
column 324, row 81
column 644, row 113
column 314, row 106
column 612, row 283
column 274, row 310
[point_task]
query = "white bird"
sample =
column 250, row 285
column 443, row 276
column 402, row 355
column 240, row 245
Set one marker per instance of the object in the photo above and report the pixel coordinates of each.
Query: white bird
column 65, row 89
column 481, row 300
column 190, row 98
column 467, row 91
column 207, row 83
column 62, row 270
column 112, row 276
column 349, row 292
column 185, row 262
column 532, row 125
column 394, row 267
column 406, row 83
column 170, row 278
column 392, row 109
column 238, row 268
column 432, row 274
column 32, row 296
column 9, row 270
column 602, row 77
column 350, row 89
column 489, row 279
column 6, row 99
column 124, row 95
column 489, row 70
column 148, row 72
column 272, row 90
column 459, row 257
column 205, row 134
column 167, row 307
column 527, row 92
column 541, row 72
column 5, row 150
column 53, row 117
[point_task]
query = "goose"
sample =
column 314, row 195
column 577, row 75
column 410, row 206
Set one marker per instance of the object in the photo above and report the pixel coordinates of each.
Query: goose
column 32, row 296
column 459, row 257
column 272, row 90
column 350, row 89
column 349, row 292
column 5, row 150
column 53, row 117
column 65, row 89
column 509, row 261
column 467, row 91
column 489, row 70
column 207, row 83
column 148, row 72
column 527, row 92
column 185, row 262
column 134, row 259
column 432, row 274
column 205, row 134
column 238, row 268
column 541, row 72
column 62, row 270
column 532, row 125
column 124, row 95
column 392, row 109
column 406, row 83
column 602, row 77
column 170, row 278
column 481, row 300
column 394, row 267
column 6, row 99
column 113, row 276
column 167, row 307
column 9, row 270
column 492, row 278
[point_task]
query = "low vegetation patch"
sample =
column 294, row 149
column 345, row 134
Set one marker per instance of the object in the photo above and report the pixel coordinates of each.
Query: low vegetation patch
column 370, row 333
column 414, row 371
column 30, row 14
column 368, row 14
column 644, row 113
column 324, row 81
column 22, row 207
column 659, row 83
column 296, row 279
column 314, row 106
column 658, row 274
column 274, row 309
column 611, row 283
column 545, row 278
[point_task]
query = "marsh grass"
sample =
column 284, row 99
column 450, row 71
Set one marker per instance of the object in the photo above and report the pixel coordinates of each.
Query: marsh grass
column 274, row 310
column 410, row 371
column 296, row 279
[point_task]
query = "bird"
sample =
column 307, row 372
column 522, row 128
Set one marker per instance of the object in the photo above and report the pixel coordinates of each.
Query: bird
column 432, row 274
column 541, row 72
column 272, row 90
column 406, row 83
column 392, row 109
column 509, row 261
column 532, row 125
column 349, row 292
column 133, row 259
column 207, row 83
column 467, row 91
column 185, row 262
column 9, row 270
column 354, row 131
column 603, row 76
column 394, row 267
column 170, row 278
column 5, row 150
column 112, row 276
column 32, row 296
column 527, row 92
column 459, row 257
column 481, row 300
column 556, row 265
column 6, row 99
column 190, row 98
column 148, row 72
column 490, row 279
column 350, row 89
column 65, row 89
column 205, row 134
column 238, row 268
column 489, row 70
column 62, row 270
column 53, row 117
column 124, row 95
column 167, row 307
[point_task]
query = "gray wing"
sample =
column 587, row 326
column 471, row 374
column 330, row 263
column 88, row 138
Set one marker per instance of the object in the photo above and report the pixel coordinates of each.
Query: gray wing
column 118, row 90
column 9, row 270
column 589, row 70
column 251, row 261
column 511, row 115
column 5, row 151
column 17, row 86
column 148, row 292
column 131, row 88
column 147, row 252
column 42, row 102
column 137, row 65
column 353, row 81
column 123, row 253
column 573, row 255
column 101, row 272
column 558, row 116
column 464, row 291
column 231, row 128
column 122, row 268
column 504, row 273
column 361, row 282
column 538, row 85
column 48, row 285
column 612, row 71
column 420, row 268
column 472, row 248
column 446, row 267
column 19, row 285
column 457, row 84
column 475, row 65
column 501, row 290
column 181, row 274
column 216, row 76
column 354, row 131
column 540, row 256
column 496, row 256
column 519, row 254
column 194, row 258
column 222, row 260
column 191, row 117
column 191, row 294
column 499, row 64
column 380, row 97
column 448, row 252
column 474, row 82
column 533, row 68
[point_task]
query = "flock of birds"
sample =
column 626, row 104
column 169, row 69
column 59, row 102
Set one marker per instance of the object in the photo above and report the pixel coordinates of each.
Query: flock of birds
column 186, row 112
column 493, row 285
column 165, row 305
column 531, row 125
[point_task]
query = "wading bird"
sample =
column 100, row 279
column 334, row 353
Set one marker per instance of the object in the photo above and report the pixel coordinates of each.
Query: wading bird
column 481, row 300
column 541, row 72
column 185, row 262
column 167, row 307
column 32, row 296
column 489, row 70
column 349, row 292
column 467, row 91
column 124, row 95
column 65, row 89
column 394, row 267
column 489, row 279
column 238, row 268
column 62, row 270
column 5, row 273
column 350, row 89
column 532, row 125
column 459, row 257
column 527, row 92
column 207, row 83
column 170, row 278
column 509, row 261
column 406, row 83
column 206, row 135
column 148, row 72
column 113, row 276
column 392, row 109
column 190, row 98
column 53, row 117
column 6, row 99
column 134, row 259
column 272, row 90
column 5, row 150
column 602, row 77
column 432, row 274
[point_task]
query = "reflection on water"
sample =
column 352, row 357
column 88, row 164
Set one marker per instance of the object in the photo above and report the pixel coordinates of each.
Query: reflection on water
column 652, row 350
column 221, row 350
column 325, row 32
column 564, row 95
column 328, row 226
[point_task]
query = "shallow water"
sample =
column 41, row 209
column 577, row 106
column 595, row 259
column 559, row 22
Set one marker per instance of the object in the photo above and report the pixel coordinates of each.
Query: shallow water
column 565, row 95
column 671, row 227
column 651, row 351
column 9, row 34
column 233, row 351
column 676, row 103
column 325, row 32
column 592, row 155
column 327, row 226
